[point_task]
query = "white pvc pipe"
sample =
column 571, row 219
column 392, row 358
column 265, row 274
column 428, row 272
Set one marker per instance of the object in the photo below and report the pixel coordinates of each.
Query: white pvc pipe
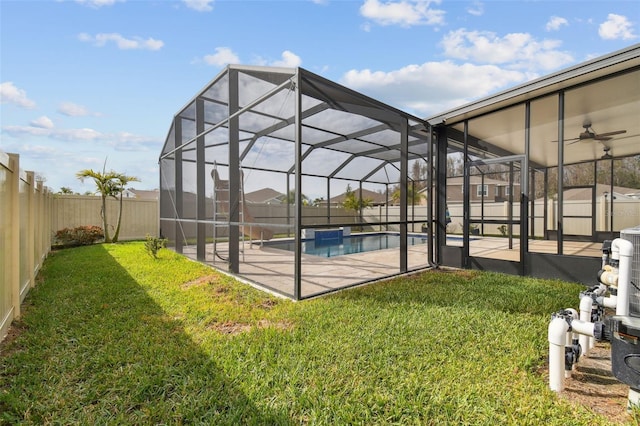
column 623, row 250
column 558, row 329
column 586, row 328
column 633, row 400
column 586, row 306
column 609, row 302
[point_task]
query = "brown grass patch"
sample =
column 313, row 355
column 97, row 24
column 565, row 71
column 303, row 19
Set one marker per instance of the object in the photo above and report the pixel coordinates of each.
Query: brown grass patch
column 7, row 346
column 467, row 274
column 234, row 328
column 205, row 280
column 268, row 304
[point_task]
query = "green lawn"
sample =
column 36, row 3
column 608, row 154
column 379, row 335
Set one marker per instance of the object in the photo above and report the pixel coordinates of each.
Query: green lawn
column 112, row 336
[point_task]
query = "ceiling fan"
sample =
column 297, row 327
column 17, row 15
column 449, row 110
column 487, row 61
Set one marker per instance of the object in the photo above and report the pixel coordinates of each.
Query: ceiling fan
column 590, row 134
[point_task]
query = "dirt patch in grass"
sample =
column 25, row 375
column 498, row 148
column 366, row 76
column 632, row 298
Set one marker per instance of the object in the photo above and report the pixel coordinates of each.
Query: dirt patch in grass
column 7, row 347
column 467, row 274
column 593, row 385
column 268, row 304
column 234, row 328
column 207, row 279
column 229, row 327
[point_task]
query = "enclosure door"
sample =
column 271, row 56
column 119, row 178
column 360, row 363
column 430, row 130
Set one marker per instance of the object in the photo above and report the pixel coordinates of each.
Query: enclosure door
column 495, row 214
column 578, row 216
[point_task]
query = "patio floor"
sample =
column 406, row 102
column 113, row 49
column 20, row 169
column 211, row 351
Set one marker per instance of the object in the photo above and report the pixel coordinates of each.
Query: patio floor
column 274, row 268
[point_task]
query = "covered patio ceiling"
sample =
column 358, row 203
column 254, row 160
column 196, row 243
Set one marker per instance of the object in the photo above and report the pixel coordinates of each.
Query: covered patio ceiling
column 604, row 93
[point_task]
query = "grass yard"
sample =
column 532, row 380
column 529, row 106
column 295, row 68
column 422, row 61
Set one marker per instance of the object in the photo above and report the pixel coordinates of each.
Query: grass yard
column 112, row 336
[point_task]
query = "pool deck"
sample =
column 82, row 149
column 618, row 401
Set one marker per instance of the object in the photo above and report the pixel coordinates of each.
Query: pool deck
column 274, row 268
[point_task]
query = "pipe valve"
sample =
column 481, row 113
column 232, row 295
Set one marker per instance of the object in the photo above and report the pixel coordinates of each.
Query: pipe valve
column 601, row 331
column 609, row 275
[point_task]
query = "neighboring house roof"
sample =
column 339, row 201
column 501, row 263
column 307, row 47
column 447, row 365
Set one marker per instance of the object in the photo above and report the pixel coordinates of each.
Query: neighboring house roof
column 128, row 193
column 145, row 194
column 574, row 194
column 264, row 196
column 376, row 197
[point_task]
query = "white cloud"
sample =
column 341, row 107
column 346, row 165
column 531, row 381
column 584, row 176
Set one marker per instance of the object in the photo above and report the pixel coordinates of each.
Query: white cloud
column 68, row 135
column 616, row 27
column 98, row 3
column 43, row 122
column 120, row 141
column 199, row 5
column 289, row 60
column 222, row 57
column 135, row 43
column 74, row 110
column 405, row 13
column 515, row 50
column 225, row 56
column 38, row 151
column 555, row 23
column 433, row 86
column 476, row 8
column 10, row 94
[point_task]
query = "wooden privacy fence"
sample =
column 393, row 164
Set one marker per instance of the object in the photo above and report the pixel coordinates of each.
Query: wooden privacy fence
column 139, row 216
column 25, row 235
column 29, row 217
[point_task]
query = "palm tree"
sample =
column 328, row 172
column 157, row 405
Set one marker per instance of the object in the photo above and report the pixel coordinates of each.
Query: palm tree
column 414, row 197
column 290, row 198
column 105, row 187
column 120, row 181
column 353, row 202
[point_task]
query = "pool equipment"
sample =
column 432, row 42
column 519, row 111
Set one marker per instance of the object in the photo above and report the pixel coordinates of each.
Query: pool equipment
column 571, row 334
column 625, row 354
column 633, row 235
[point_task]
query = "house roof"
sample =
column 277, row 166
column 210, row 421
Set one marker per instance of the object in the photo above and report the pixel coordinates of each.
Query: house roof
column 574, row 194
column 145, row 194
column 376, row 197
column 265, row 196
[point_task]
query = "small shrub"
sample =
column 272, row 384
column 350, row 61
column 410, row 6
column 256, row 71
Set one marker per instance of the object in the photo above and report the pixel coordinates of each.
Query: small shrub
column 78, row 236
column 503, row 230
column 154, row 244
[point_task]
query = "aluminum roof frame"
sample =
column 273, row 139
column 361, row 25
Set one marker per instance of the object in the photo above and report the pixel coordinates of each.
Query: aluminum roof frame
column 367, row 140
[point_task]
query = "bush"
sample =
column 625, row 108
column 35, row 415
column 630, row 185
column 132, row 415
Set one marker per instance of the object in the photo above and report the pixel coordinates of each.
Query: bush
column 154, row 244
column 79, row 236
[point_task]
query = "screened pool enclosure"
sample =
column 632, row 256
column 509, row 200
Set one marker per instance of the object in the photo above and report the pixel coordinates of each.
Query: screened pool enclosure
column 302, row 186
column 252, row 168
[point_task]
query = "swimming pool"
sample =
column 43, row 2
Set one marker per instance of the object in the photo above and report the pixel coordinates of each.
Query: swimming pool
column 350, row 245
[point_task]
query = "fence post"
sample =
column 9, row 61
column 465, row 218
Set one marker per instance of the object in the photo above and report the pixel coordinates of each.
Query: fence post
column 14, row 246
column 31, row 225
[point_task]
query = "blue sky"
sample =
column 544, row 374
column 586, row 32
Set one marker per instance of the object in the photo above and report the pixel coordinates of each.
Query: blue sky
column 88, row 80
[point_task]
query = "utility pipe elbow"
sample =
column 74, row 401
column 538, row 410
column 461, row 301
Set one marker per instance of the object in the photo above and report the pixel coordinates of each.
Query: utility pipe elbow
column 558, row 329
column 622, row 247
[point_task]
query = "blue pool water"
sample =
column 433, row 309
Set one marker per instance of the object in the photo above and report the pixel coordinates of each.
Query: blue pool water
column 350, row 245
